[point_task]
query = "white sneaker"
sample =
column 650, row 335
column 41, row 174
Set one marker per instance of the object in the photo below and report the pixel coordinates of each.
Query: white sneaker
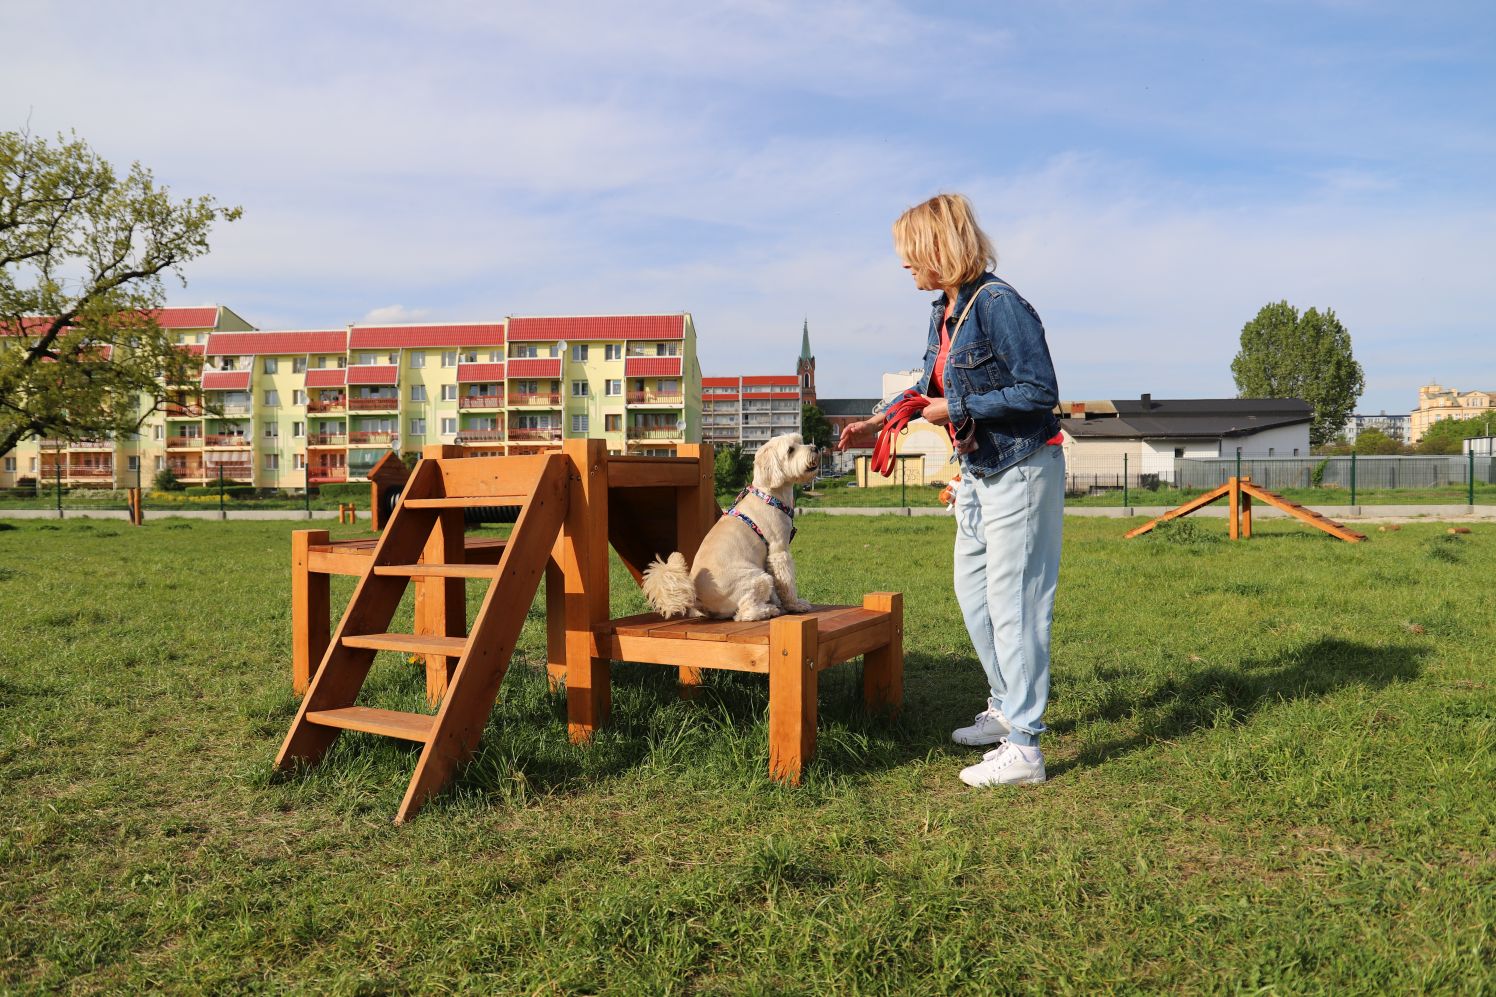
column 989, row 727
column 1005, row 765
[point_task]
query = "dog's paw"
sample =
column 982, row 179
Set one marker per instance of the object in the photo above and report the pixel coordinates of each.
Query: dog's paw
column 797, row 606
column 750, row 613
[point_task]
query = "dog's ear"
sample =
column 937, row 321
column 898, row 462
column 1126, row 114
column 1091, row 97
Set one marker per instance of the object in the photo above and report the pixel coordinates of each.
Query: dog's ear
column 771, row 464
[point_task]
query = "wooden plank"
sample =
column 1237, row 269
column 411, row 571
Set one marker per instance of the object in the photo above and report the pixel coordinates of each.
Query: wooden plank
column 555, row 621
column 584, row 567
column 1233, row 514
column 339, row 562
column 437, row 570
column 310, row 605
column 1193, row 505
column 691, row 524
column 651, row 472
column 475, row 683
column 409, row 643
column 468, row 501
column 495, row 480
column 343, row 669
column 883, row 667
column 644, row 627
column 387, row 723
column 1314, row 519
column 701, row 653
column 792, row 696
column 1246, row 515
column 441, row 602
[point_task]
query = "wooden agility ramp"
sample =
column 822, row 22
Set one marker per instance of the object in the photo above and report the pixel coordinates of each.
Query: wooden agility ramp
column 1239, row 493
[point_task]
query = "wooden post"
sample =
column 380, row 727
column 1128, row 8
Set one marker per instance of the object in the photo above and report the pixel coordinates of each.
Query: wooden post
column 584, row 566
column 1233, row 513
column 555, row 621
column 792, row 695
column 695, row 512
column 441, row 603
column 1246, row 510
column 883, row 667
column 309, row 609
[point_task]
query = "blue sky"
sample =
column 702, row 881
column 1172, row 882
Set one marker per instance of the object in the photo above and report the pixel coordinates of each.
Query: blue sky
column 1151, row 172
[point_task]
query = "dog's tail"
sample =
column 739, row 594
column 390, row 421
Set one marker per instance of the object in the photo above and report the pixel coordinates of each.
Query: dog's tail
column 668, row 587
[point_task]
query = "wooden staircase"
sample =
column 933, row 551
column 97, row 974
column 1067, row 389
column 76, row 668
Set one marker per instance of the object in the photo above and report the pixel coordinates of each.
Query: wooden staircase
column 425, row 522
column 1239, row 492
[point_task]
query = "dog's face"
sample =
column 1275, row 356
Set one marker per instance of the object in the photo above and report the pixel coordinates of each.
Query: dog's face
column 785, row 460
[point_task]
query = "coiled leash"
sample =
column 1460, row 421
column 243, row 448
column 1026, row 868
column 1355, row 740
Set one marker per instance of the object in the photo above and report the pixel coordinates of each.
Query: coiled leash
column 768, row 500
column 900, row 412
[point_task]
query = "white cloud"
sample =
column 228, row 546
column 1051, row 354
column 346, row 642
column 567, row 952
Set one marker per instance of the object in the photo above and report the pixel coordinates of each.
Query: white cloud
column 394, row 315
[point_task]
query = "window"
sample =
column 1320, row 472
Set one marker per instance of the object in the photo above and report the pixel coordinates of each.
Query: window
column 667, row 349
column 364, row 359
column 470, row 357
column 228, row 363
column 342, row 362
column 272, row 365
column 298, row 430
column 392, row 359
column 579, row 353
column 495, row 356
column 524, row 350
column 449, row 358
column 10, row 463
column 201, row 337
column 33, row 465
column 272, row 431
column 669, row 387
column 613, row 351
column 298, row 461
column 1178, row 452
column 131, row 464
column 553, row 350
column 578, row 424
column 579, row 389
column 418, row 427
column 272, row 462
column 418, row 392
column 613, row 386
column 449, row 426
column 298, row 365
column 417, row 360
column 298, row 397
column 449, row 392
column 160, row 463
column 272, row 399
column 158, row 432
column 613, row 423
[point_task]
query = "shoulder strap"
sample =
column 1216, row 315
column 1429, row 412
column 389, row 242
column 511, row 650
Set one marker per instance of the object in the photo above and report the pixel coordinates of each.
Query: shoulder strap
column 969, row 302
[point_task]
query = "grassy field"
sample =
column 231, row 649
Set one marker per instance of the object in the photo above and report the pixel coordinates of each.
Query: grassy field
column 1271, row 771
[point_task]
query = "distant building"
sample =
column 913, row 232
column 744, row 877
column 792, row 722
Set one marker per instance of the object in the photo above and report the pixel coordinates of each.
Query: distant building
column 746, row 410
column 805, row 367
column 1436, row 402
column 1396, row 427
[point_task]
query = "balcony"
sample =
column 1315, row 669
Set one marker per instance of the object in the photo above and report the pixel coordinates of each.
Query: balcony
column 655, row 398
column 327, row 440
column 373, row 404
column 377, row 438
column 480, row 436
column 183, row 442
column 327, row 405
column 89, row 473
column 179, row 410
column 185, row 468
column 480, row 401
column 326, row 475
column 235, row 471
column 548, row 435
column 649, row 351
column 92, row 444
column 654, row 433
column 549, row 399
column 230, row 409
column 228, row 440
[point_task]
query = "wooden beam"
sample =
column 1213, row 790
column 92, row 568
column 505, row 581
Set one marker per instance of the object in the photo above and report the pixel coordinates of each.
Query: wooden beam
column 792, row 696
column 584, row 567
column 310, row 598
column 691, row 525
column 1194, row 504
column 441, row 603
column 883, row 667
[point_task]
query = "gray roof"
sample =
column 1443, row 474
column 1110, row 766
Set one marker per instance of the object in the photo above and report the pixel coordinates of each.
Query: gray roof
column 847, row 406
column 1191, row 417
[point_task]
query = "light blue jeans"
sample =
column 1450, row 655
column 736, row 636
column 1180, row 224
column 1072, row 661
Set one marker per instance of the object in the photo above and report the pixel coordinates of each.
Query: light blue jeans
column 1008, row 528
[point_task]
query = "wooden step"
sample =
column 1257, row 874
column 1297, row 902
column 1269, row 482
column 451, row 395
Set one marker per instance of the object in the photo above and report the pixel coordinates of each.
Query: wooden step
column 465, row 501
column 414, row 643
column 386, row 723
column 437, row 570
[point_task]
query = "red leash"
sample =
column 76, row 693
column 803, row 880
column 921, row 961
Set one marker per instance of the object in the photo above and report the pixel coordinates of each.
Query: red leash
column 903, row 409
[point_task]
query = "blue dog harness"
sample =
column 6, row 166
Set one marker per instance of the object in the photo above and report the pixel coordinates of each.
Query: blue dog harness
column 772, row 502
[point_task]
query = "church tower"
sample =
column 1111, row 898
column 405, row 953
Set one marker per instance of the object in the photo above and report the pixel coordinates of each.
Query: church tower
column 805, row 367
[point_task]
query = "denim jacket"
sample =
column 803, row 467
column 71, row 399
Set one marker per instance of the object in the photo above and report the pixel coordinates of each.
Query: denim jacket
column 998, row 373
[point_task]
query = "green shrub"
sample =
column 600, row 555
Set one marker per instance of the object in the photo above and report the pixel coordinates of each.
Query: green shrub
column 166, row 481
column 344, row 491
column 229, row 491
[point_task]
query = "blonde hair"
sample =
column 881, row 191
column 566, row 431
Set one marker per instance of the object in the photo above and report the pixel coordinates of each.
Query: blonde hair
column 942, row 235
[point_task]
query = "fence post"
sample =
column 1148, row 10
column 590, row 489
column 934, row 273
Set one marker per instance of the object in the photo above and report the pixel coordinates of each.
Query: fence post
column 1125, row 503
column 222, row 512
column 1353, row 477
column 1470, row 477
column 306, row 490
column 1238, row 463
column 57, row 475
column 903, row 499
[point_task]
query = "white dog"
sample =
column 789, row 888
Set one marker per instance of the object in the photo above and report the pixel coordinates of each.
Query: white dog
column 743, row 570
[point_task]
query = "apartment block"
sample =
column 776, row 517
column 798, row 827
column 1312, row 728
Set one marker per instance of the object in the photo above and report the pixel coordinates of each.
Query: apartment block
column 1436, row 402
column 288, row 409
column 746, row 411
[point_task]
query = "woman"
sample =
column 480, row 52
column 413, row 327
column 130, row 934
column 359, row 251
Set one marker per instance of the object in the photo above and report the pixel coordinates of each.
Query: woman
column 988, row 374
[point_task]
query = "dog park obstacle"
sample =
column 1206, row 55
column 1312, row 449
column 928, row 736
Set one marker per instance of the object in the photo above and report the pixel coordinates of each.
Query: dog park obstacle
column 1239, row 492
column 574, row 505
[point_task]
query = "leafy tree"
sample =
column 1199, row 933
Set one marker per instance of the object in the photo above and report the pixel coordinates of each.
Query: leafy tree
column 815, row 427
column 732, row 469
column 82, row 254
column 166, row 481
column 1448, row 436
column 1287, row 355
column 1372, row 441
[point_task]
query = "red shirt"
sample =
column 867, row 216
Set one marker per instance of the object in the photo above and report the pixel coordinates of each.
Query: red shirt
column 937, row 376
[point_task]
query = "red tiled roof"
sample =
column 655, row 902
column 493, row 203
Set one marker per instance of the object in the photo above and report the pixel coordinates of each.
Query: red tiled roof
column 187, row 318
column 373, row 374
column 226, row 380
column 470, row 372
column 718, row 398
column 547, row 367
column 378, row 337
column 598, row 327
column 196, row 349
column 651, row 367
column 788, row 379
column 719, row 382
column 240, row 344
column 329, row 377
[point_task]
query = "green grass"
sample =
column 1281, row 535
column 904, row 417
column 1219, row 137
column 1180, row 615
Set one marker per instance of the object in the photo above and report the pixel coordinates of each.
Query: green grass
column 1271, row 771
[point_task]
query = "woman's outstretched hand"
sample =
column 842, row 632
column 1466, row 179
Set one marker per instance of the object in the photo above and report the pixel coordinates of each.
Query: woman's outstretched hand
column 859, row 434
